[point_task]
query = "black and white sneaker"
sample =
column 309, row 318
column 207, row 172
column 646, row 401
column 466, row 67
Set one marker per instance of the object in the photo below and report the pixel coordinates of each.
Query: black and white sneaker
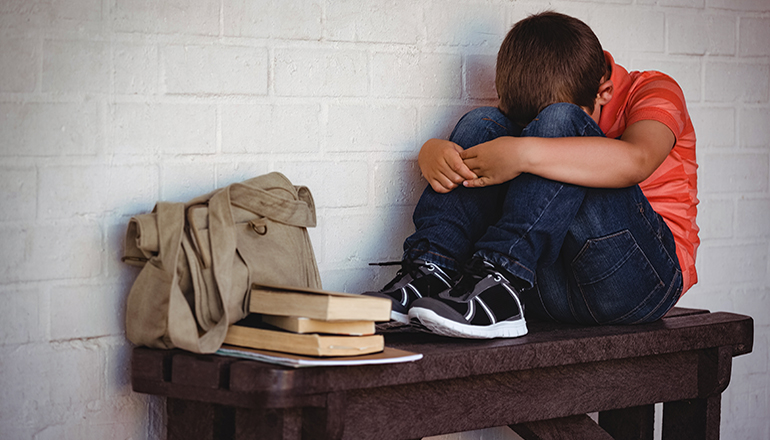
column 416, row 279
column 482, row 305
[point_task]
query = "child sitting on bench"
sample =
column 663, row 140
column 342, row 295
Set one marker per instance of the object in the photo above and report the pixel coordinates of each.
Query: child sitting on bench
column 576, row 197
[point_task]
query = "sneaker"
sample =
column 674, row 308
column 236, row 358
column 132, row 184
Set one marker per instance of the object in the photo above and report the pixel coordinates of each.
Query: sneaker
column 482, row 305
column 416, row 279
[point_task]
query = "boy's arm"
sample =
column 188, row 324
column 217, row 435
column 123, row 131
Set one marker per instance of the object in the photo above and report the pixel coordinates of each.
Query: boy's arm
column 586, row 161
column 441, row 165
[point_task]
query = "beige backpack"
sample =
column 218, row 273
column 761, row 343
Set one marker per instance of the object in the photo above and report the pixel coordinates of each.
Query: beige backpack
column 200, row 258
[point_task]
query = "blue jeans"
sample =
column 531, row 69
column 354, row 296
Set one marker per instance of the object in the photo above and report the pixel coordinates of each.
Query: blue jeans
column 581, row 255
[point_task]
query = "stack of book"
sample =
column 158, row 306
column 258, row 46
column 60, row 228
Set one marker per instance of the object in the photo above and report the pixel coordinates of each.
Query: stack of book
column 310, row 322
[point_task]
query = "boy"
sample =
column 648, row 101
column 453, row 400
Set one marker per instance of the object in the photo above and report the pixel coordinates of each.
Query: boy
column 530, row 204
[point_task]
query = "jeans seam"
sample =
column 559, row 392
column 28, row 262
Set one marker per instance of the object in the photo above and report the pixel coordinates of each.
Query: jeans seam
column 666, row 297
column 492, row 120
column 526, row 233
column 659, row 232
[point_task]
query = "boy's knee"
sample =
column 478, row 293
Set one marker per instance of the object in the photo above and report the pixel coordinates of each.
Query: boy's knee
column 562, row 119
column 480, row 125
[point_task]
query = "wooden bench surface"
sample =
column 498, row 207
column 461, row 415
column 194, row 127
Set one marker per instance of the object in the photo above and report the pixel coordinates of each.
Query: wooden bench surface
column 552, row 375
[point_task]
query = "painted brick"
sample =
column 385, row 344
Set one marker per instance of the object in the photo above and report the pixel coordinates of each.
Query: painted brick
column 751, row 393
column 180, row 182
column 166, row 17
column 121, row 274
column 757, row 363
column 316, row 235
column 717, row 265
column 707, row 296
column 357, row 280
column 98, row 421
column 55, row 129
column 296, row 20
column 266, row 129
column 20, row 316
column 333, row 184
column 71, row 191
column 80, row 364
column 404, row 75
column 700, row 34
column 754, row 127
column 20, row 17
column 397, row 183
column 77, row 10
column 370, row 128
column 162, row 128
column 301, row 72
column 76, row 66
column 678, row 3
column 86, row 311
column 754, row 37
column 19, row 64
column 238, row 171
column 136, row 69
column 715, row 218
column 118, row 357
column 395, row 21
column 454, row 23
column 439, row 121
column 18, row 194
column 745, row 300
column 645, row 35
column 732, row 173
column 24, row 382
column 480, row 76
column 714, row 126
column 375, row 236
column 727, row 82
column 751, row 218
column 215, row 70
column 48, row 252
column 740, row 5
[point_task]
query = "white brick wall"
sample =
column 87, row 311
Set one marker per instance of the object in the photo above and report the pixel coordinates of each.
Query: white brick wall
column 107, row 106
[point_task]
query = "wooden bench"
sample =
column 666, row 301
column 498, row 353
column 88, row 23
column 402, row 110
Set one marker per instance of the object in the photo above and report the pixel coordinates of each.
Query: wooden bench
column 542, row 385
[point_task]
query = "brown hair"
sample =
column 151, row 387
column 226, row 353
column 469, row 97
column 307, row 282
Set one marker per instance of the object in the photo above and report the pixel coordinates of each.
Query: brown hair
column 548, row 58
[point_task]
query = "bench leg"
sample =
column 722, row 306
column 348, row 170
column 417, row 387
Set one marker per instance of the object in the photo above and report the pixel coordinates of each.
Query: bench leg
column 579, row 427
column 278, row 424
column 637, row 423
column 696, row 419
column 189, row 420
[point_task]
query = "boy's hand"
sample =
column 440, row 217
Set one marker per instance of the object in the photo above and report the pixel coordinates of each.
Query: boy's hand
column 493, row 162
column 442, row 166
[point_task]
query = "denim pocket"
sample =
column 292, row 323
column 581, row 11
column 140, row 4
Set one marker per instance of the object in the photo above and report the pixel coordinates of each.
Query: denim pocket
column 615, row 278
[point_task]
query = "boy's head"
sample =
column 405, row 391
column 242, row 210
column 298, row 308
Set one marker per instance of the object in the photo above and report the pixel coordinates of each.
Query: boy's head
column 545, row 59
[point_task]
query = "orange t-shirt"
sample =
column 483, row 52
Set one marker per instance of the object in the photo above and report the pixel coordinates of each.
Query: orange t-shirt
column 672, row 189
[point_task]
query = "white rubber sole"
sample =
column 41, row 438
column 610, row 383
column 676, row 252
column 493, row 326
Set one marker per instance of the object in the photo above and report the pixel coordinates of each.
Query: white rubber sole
column 446, row 327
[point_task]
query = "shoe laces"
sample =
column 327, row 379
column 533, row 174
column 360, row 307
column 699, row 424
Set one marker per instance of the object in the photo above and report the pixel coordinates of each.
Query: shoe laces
column 473, row 271
column 408, row 268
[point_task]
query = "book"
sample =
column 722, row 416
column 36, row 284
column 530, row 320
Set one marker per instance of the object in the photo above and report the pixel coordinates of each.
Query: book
column 299, row 324
column 250, row 332
column 387, row 356
column 317, row 304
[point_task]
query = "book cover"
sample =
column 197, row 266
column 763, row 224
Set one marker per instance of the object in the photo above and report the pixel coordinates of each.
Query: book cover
column 317, row 304
column 252, row 333
column 387, row 356
column 299, row 324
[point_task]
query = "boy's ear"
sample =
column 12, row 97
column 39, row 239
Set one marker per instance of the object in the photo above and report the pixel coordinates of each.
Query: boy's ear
column 604, row 95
